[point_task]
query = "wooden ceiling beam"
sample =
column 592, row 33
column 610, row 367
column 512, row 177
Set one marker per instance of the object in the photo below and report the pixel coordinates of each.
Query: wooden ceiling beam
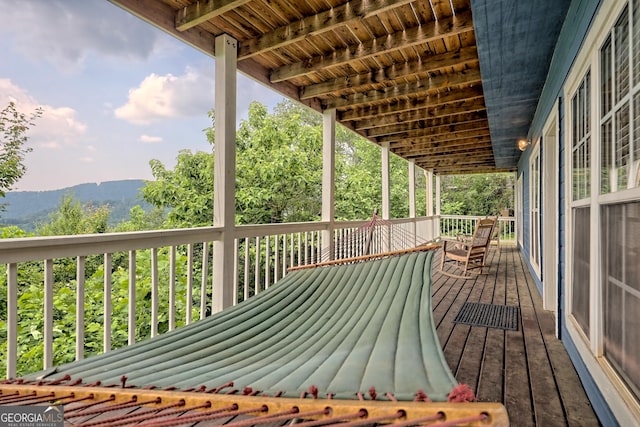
column 417, row 142
column 428, row 32
column 203, row 10
column 423, row 127
column 431, row 85
column 461, row 111
column 404, row 105
column 458, row 160
column 469, row 171
column 319, row 23
column 421, row 137
column 481, row 147
column 462, row 143
column 426, row 65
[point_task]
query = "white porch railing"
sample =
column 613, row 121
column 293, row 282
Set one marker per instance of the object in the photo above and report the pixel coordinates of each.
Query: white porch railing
column 454, row 225
column 139, row 273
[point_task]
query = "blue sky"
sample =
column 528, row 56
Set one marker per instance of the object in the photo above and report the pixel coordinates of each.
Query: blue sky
column 116, row 92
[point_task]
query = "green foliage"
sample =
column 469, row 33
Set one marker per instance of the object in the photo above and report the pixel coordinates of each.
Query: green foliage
column 485, row 194
column 185, row 192
column 31, row 303
column 279, row 169
column 72, row 218
column 140, row 220
column 13, row 129
column 279, row 174
column 359, row 180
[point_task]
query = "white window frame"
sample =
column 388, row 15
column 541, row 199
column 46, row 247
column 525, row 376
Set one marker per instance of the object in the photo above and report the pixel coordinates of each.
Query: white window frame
column 534, row 207
column 519, row 211
column 622, row 403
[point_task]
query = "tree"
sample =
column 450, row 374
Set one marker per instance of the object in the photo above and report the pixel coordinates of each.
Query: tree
column 483, row 194
column 186, row 192
column 279, row 174
column 359, row 180
column 278, row 167
column 72, row 218
column 13, row 129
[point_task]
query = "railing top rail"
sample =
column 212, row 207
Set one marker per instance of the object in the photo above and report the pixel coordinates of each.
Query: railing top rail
column 473, row 217
column 40, row 248
column 53, row 247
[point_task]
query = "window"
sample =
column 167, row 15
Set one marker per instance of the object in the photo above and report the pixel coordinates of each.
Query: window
column 519, row 212
column 619, row 170
column 534, row 208
column 581, row 140
column 581, row 268
column 602, row 155
column 620, row 228
column 620, row 106
column 581, row 190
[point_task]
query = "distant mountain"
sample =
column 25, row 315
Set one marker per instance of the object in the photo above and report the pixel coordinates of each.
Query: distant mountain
column 27, row 209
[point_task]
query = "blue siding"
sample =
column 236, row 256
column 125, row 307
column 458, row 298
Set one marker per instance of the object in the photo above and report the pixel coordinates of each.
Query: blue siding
column 579, row 18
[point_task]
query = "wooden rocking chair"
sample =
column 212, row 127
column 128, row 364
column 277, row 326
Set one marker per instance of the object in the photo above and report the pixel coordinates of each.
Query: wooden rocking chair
column 468, row 255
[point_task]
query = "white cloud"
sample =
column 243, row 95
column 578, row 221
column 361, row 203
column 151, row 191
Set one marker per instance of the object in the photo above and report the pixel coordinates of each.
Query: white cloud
column 58, row 127
column 150, row 139
column 66, row 32
column 87, row 159
column 168, row 97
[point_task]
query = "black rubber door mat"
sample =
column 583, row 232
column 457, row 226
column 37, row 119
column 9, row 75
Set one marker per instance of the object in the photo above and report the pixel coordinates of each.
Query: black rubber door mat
column 489, row 315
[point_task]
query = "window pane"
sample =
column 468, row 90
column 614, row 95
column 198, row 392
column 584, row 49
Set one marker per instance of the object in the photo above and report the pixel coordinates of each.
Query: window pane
column 605, row 76
column 606, row 175
column 634, row 175
column 580, row 295
column 621, row 32
column 622, row 146
column 580, row 140
column 620, row 227
column 636, row 42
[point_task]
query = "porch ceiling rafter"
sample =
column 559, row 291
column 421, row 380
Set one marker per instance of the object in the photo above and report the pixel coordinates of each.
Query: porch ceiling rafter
column 443, row 136
column 451, row 96
column 204, row 10
column 426, row 128
column 420, row 87
column 459, row 112
column 430, row 32
column 347, row 13
column 471, row 144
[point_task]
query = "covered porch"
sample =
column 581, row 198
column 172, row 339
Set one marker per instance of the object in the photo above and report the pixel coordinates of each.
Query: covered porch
column 528, row 370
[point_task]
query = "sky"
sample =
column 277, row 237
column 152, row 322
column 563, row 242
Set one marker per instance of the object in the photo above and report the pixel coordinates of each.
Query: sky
column 116, row 92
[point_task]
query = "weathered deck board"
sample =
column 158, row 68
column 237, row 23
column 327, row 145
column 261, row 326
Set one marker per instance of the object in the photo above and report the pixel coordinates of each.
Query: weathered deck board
column 528, row 370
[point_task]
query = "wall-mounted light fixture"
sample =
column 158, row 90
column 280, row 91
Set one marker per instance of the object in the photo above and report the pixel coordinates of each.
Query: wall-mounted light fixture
column 523, row 144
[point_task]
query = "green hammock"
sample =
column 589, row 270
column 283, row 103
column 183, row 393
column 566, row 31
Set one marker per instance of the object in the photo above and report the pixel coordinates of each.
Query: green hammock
column 340, row 330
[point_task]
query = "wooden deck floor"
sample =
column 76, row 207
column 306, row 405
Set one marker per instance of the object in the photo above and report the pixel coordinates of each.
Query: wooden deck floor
column 528, row 370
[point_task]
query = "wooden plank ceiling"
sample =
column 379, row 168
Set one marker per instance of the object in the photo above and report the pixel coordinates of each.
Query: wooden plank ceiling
column 402, row 72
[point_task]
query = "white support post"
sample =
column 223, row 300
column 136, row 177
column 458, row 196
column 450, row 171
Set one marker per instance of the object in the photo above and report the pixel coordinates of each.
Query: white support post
column 428, row 175
column 132, row 298
column 437, row 195
column 224, row 171
column 328, row 180
column 386, row 196
column 12, row 320
column 386, row 191
column 80, row 280
column 412, row 201
column 436, row 231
